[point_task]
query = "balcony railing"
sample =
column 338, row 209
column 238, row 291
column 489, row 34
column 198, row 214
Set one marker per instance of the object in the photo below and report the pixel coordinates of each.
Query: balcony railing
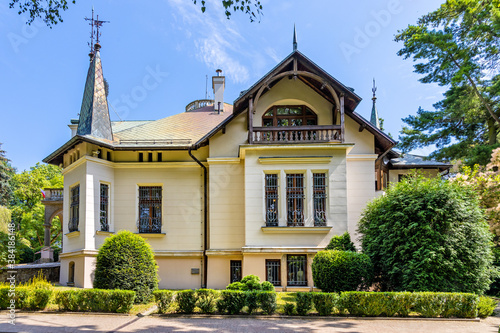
column 53, row 194
column 296, row 134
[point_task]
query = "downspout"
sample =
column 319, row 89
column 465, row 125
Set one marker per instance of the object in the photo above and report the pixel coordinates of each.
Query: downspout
column 205, row 218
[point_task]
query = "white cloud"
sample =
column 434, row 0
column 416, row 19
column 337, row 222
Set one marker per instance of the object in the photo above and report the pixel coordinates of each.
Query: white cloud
column 216, row 39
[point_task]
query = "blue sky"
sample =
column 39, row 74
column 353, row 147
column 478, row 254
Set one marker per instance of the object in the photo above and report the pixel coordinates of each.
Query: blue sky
column 156, row 55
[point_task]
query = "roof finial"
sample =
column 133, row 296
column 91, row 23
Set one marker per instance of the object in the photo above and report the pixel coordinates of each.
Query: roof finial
column 374, row 116
column 294, row 38
column 374, row 89
column 94, row 32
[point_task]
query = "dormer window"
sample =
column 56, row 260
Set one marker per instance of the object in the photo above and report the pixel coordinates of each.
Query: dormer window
column 289, row 115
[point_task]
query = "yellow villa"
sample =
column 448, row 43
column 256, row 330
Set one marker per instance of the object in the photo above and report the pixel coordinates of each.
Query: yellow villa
column 221, row 191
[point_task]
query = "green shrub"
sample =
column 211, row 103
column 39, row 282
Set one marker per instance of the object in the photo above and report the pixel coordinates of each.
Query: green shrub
column 163, row 299
column 231, row 301
column 426, row 234
column 460, row 305
column 374, row 304
column 486, row 306
column 325, row 302
column 25, row 298
column 126, row 261
column 251, row 282
column 267, row 286
column 186, row 299
column 206, row 300
column 235, row 286
column 95, row 300
column 341, row 243
column 335, row 271
column 289, row 309
column 251, row 301
column 304, row 302
column 267, row 301
column 4, row 297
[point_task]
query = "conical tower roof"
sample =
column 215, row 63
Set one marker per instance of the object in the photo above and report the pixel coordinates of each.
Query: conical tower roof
column 94, row 114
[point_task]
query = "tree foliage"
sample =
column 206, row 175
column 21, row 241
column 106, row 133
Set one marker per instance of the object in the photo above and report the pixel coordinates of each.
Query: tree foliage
column 456, row 46
column 428, row 235
column 50, row 11
column 126, row 261
column 486, row 183
column 6, row 172
column 28, row 212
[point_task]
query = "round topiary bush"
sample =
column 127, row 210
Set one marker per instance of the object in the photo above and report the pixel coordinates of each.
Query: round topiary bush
column 335, row 271
column 341, row 243
column 126, row 261
column 428, row 235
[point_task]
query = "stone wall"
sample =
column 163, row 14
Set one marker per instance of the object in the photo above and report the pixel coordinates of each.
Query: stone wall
column 24, row 273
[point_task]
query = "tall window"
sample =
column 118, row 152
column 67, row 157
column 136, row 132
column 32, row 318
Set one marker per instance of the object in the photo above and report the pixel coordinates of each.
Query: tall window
column 282, row 115
column 235, row 267
column 150, row 209
column 74, row 208
column 104, row 207
column 272, row 200
column 297, row 273
column 319, row 199
column 295, row 199
column 273, row 271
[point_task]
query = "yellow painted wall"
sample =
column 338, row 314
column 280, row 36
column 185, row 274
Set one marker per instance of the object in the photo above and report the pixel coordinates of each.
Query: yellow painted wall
column 227, row 145
column 219, row 271
column 254, row 196
column 364, row 142
column 175, row 273
column 227, row 206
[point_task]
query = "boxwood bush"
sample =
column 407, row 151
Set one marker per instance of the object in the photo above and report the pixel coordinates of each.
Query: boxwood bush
column 186, row 299
column 126, row 261
column 206, row 300
column 325, row 302
column 163, row 299
column 304, row 302
column 95, row 300
column 341, row 243
column 335, row 271
column 231, row 301
column 267, row 301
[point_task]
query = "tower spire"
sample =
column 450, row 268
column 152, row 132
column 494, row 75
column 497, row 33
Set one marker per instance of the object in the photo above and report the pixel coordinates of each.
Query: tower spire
column 294, row 38
column 374, row 116
column 94, row 113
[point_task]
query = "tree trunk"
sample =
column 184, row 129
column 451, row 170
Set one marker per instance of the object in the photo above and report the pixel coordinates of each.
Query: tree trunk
column 492, row 132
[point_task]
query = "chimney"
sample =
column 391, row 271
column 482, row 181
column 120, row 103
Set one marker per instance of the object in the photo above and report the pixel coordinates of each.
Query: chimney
column 218, row 83
column 73, row 126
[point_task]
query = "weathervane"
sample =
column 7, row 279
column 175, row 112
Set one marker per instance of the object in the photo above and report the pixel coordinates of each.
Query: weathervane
column 374, row 89
column 95, row 24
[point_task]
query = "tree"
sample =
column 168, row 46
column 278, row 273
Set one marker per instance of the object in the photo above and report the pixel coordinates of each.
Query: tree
column 50, row 11
column 6, row 172
column 457, row 46
column 28, row 212
column 126, row 261
column 486, row 183
column 428, row 234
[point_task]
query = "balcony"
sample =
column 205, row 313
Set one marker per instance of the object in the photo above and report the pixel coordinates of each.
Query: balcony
column 295, row 134
column 53, row 194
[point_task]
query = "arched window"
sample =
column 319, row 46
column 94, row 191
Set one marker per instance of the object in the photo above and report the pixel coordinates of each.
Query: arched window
column 289, row 115
column 71, row 273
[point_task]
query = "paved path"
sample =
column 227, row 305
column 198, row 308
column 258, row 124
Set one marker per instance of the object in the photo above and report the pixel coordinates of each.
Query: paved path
column 54, row 323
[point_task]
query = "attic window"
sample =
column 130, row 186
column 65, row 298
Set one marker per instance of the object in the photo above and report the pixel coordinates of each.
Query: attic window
column 289, row 115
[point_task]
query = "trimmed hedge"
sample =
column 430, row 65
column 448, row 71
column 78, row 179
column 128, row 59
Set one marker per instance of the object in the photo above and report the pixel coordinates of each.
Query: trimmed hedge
column 304, row 302
column 267, row 301
column 335, row 271
column 95, row 300
column 163, row 299
column 25, row 298
column 206, row 300
column 186, row 299
column 325, row 302
column 486, row 306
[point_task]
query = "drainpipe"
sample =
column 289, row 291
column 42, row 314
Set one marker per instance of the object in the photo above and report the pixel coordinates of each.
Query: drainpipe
column 205, row 218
